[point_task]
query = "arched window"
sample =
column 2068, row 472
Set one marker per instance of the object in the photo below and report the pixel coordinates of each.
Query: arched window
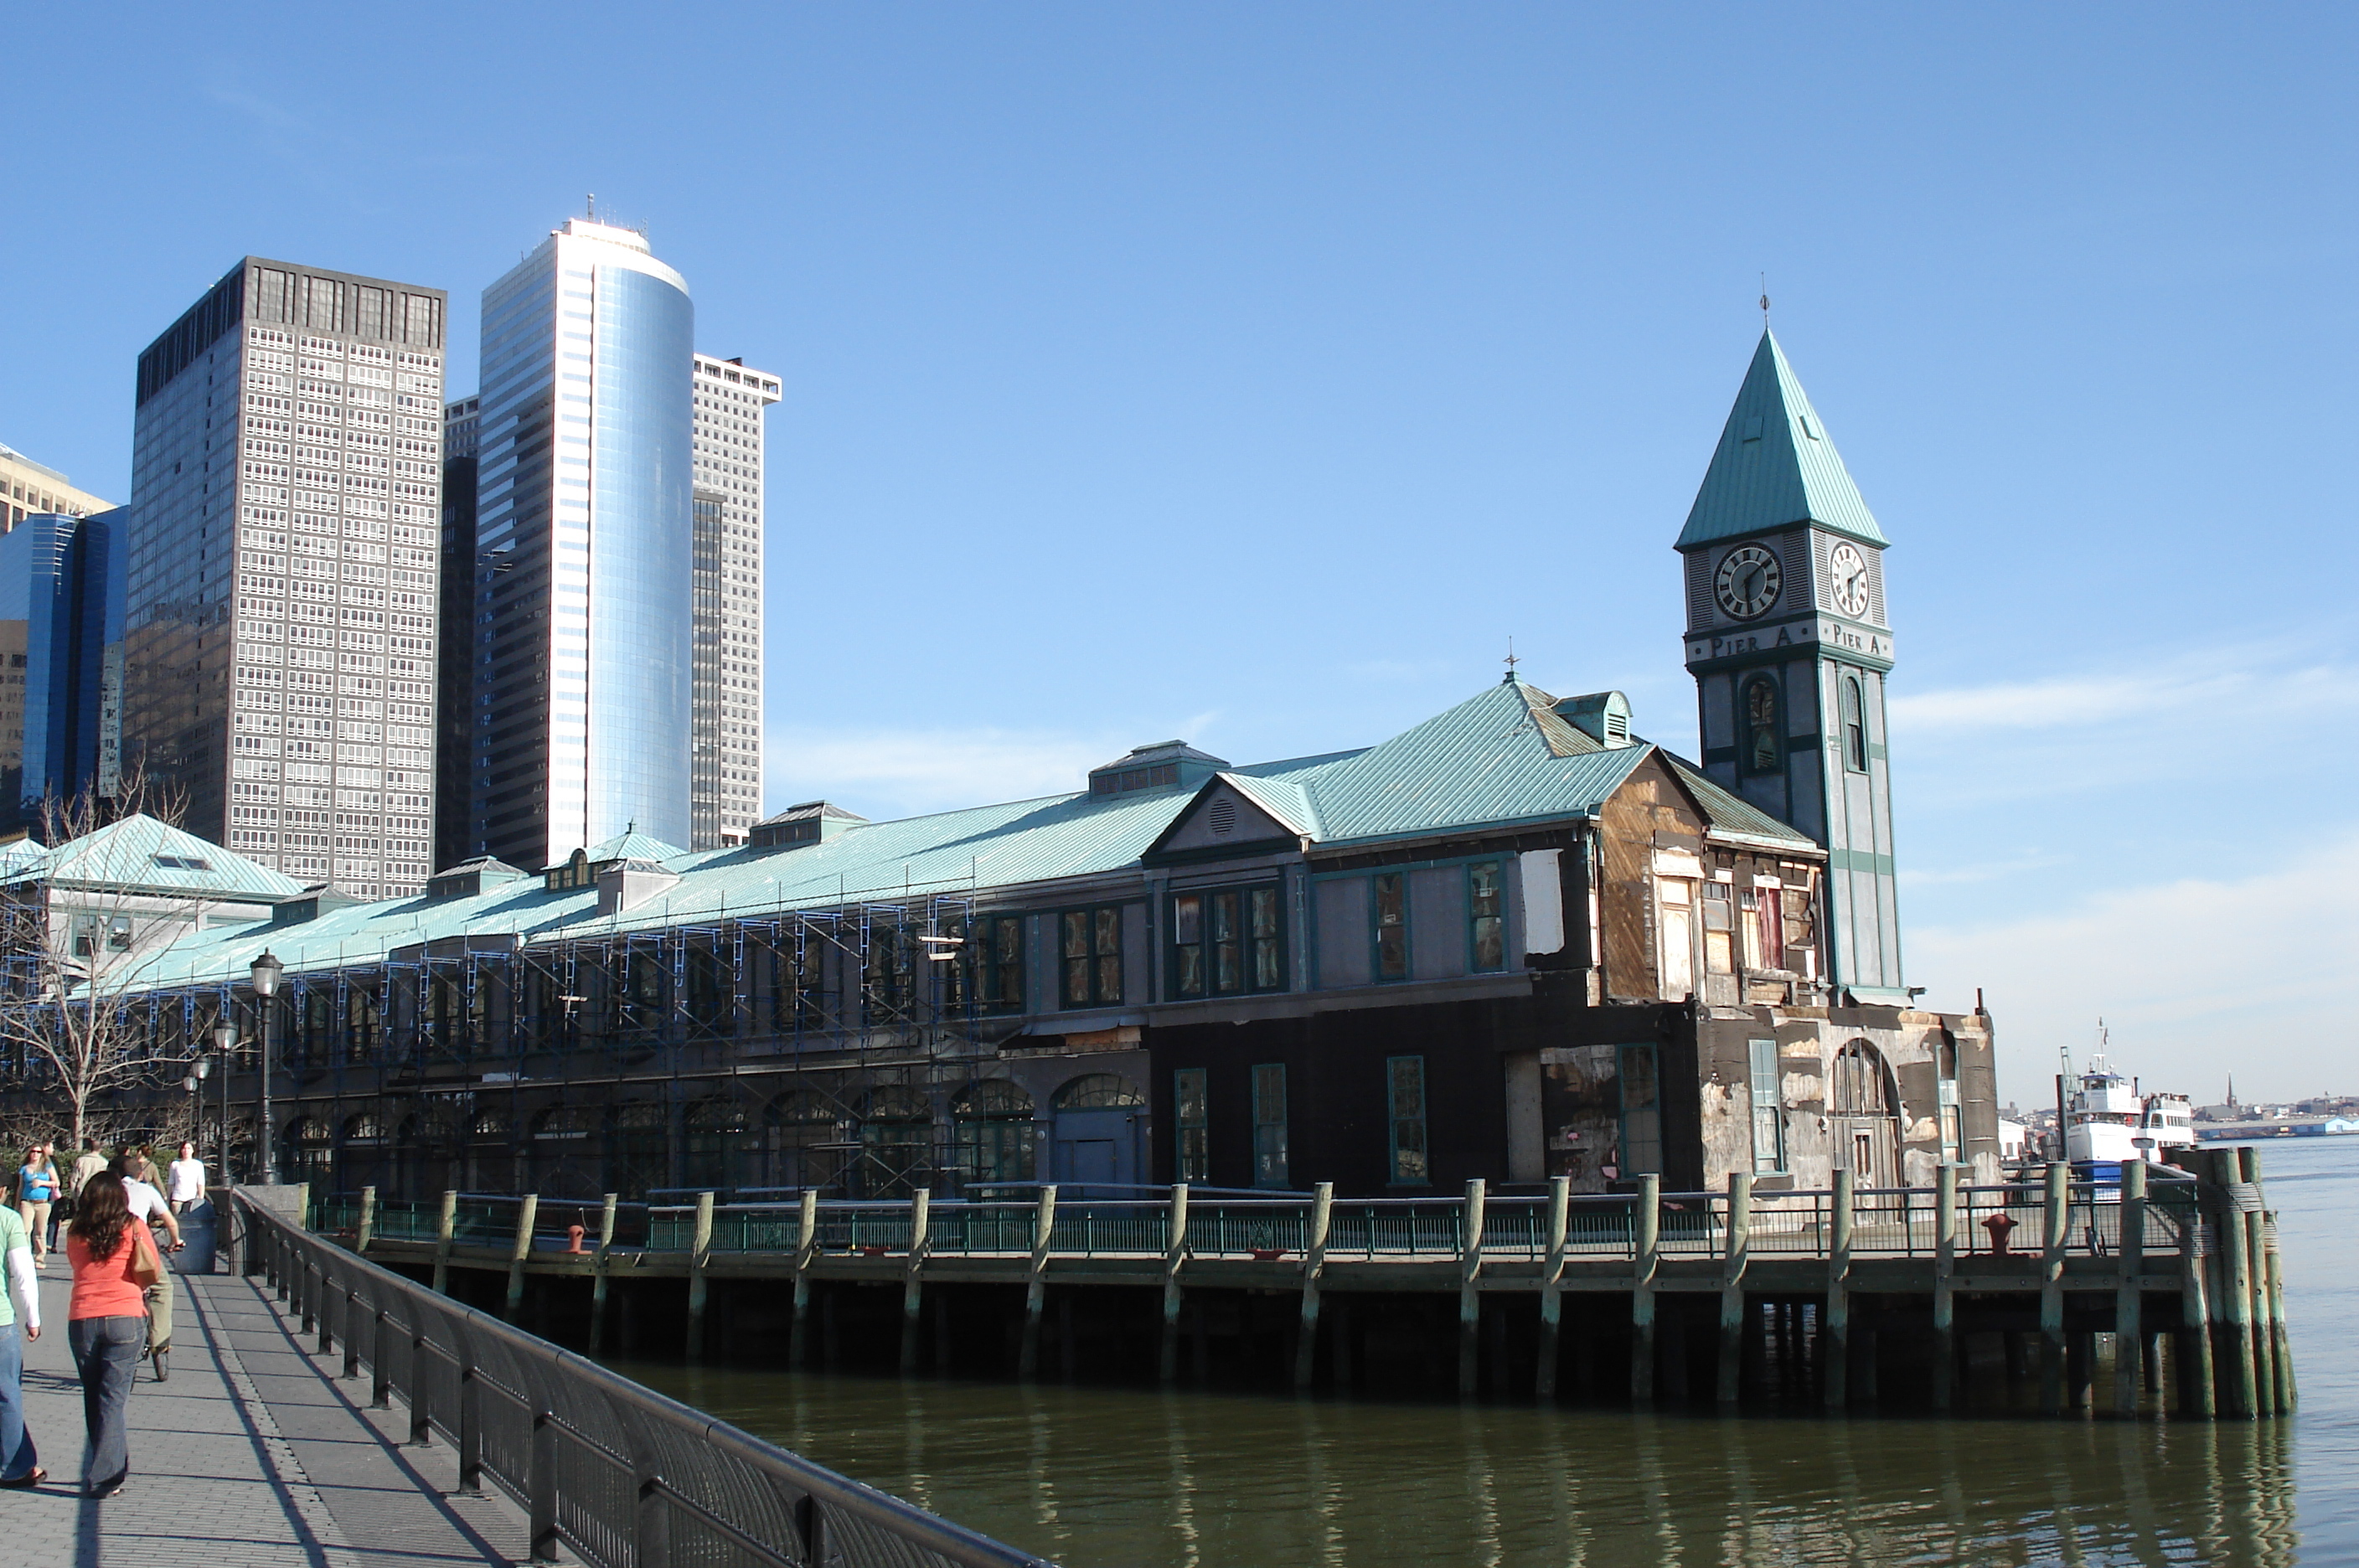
column 638, row 1150
column 1854, row 725
column 363, row 1129
column 715, row 1130
column 1859, row 1086
column 488, row 1124
column 896, row 1134
column 1863, row 1109
column 1099, row 1091
column 994, row 1135
column 1760, row 746
column 807, row 1138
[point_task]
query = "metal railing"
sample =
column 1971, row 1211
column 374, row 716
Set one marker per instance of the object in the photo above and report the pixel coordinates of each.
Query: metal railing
column 618, row 1473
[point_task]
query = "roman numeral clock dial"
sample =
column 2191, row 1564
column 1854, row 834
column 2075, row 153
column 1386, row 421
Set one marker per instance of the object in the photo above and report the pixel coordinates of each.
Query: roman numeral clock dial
column 1747, row 581
column 1847, row 581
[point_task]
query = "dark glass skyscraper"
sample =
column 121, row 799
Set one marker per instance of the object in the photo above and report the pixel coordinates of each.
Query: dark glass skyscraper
column 61, row 638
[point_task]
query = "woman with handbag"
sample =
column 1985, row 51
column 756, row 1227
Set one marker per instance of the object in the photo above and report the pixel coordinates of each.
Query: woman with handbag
column 114, row 1261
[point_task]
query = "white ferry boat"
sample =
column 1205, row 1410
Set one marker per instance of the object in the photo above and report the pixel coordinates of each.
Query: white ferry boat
column 2108, row 1120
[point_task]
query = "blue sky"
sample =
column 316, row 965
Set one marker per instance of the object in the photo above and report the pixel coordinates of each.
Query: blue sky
column 1253, row 372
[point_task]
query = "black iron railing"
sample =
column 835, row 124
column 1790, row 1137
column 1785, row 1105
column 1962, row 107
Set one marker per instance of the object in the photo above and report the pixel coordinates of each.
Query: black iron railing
column 618, row 1473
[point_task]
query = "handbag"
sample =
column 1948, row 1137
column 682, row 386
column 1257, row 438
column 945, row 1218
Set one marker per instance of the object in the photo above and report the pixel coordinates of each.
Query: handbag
column 146, row 1267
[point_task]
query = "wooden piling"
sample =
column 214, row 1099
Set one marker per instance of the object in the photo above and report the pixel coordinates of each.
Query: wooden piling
column 2236, row 1288
column 1835, row 1332
column 806, row 1243
column 520, row 1249
column 2256, row 1276
column 1314, row 1260
column 1175, row 1252
column 1945, row 1266
column 1470, row 1300
column 444, row 1228
column 1035, row 1284
column 1736, row 1245
column 2283, row 1360
column 2130, row 1329
column 912, row 1281
column 368, row 1228
column 1560, row 1212
column 700, row 1257
column 2196, row 1390
column 1646, row 1217
column 2055, row 1235
column 598, row 1281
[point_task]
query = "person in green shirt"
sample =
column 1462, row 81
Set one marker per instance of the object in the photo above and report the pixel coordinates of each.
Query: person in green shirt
column 19, row 1461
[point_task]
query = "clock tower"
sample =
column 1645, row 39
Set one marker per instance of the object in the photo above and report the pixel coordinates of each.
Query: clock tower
column 1790, row 646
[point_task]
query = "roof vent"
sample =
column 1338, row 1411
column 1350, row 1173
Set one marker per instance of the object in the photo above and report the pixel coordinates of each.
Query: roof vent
column 470, row 878
column 813, row 822
column 1223, row 817
column 1603, row 716
column 1166, row 765
column 624, row 885
column 308, row 905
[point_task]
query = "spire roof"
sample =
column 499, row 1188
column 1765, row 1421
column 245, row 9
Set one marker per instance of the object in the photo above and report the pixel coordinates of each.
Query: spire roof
column 1775, row 464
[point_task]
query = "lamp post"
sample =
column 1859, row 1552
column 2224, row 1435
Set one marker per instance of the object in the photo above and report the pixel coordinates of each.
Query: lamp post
column 225, row 1041
column 266, row 972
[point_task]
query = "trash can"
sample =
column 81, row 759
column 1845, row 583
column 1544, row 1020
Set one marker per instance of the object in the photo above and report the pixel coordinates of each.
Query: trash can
column 198, row 1234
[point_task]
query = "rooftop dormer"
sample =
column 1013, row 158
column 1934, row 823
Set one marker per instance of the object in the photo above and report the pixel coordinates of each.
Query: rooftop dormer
column 813, row 822
column 1166, row 765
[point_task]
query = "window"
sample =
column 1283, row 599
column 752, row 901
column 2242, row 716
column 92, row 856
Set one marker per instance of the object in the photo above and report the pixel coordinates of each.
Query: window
column 994, row 962
column 1675, row 931
column 1953, row 1141
column 1091, row 946
column 1486, row 925
column 994, row 1132
column 1227, row 940
column 1193, row 1151
column 1718, row 956
column 1854, row 725
column 1768, row 1119
column 1642, row 1112
column 1405, row 1089
column 1760, row 749
column 1764, row 928
column 1391, row 914
column 1269, row 1124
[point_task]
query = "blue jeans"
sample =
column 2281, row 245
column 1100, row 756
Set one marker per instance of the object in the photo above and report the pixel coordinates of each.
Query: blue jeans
column 106, row 1351
column 17, row 1458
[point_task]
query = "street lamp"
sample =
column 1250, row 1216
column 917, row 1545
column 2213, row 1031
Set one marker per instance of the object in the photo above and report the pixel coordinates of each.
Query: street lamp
column 265, row 973
column 225, row 1041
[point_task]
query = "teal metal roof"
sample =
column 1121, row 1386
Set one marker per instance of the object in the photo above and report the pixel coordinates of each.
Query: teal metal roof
column 633, row 844
column 1732, row 814
column 143, row 854
column 1775, row 464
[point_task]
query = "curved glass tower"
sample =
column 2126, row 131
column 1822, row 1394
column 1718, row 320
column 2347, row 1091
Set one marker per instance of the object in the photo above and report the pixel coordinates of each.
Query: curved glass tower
column 584, row 599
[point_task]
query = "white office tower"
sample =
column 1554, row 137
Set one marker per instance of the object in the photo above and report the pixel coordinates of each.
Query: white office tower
column 286, row 480
column 725, row 784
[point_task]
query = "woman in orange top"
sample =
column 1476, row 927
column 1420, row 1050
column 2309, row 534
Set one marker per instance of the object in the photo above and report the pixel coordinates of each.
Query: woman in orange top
column 106, row 1324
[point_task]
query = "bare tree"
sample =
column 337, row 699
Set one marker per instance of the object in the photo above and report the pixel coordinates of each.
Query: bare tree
column 79, row 933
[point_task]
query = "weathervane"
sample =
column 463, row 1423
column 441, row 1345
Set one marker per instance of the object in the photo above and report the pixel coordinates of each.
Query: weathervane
column 1512, row 659
column 1764, row 300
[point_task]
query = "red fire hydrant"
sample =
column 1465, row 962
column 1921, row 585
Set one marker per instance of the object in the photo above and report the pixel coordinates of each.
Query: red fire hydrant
column 573, row 1234
column 1998, row 1226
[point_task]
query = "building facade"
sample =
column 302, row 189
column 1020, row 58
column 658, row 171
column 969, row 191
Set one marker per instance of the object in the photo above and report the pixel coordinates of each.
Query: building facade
column 280, row 620
column 725, row 778
column 30, row 488
column 61, row 587
column 584, row 601
column 454, row 688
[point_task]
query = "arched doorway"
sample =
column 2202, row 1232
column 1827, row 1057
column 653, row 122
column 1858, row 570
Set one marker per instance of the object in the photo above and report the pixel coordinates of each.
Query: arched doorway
column 808, row 1137
column 1098, row 1124
column 307, row 1153
column 424, row 1150
column 896, row 1143
column 992, row 1132
column 561, row 1159
column 714, row 1146
column 361, row 1155
column 493, row 1153
column 1864, row 1117
column 638, row 1150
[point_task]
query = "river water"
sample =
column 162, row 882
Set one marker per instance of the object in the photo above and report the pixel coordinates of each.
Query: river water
column 1099, row 1477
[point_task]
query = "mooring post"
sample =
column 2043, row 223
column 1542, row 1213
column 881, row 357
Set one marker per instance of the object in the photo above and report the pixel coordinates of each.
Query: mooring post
column 2283, row 1358
column 2056, row 1234
column 1470, row 1299
column 2257, row 1241
column 598, row 1276
column 518, row 1251
column 699, row 1254
column 1945, row 1266
column 444, row 1229
column 1834, row 1335
column 2129, row 1303
column 2196, row 1399
column 1646, row 1220
column 1314, row 1259
column 367, row 1228
column 1734, row 1251
column 2235, row 1255
column 1036, row 1283
column 912, row 1281
column 1560, row 1213
column 1175, row 1250
column 806, row 1243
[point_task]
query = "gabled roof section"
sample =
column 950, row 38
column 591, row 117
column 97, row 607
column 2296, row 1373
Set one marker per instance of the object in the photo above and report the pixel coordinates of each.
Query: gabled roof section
column 1775, row 464
column 1228, row 814
column 1732, row 817
column 139, row 853
column 633, row 844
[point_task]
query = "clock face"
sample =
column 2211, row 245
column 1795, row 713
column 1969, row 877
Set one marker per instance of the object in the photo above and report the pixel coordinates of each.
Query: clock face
column 1847, row 581
column 1747, row 581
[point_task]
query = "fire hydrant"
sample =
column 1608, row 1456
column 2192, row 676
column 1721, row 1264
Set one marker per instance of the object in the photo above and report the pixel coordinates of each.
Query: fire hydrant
column 573, row 1234
column 1998, row 1226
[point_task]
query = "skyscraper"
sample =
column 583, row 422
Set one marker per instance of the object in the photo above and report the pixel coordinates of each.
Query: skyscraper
column 455, row 699
column 27, row 488
column 584, row 603
column 62, row 641
column 285, row 494
column 725, row 779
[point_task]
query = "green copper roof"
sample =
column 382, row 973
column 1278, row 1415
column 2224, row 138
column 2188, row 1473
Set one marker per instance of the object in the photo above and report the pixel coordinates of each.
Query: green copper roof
column 633, row 844
column 1775, row 464
column 142, row 853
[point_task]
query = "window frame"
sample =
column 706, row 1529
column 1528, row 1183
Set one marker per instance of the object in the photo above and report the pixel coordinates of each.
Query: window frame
column 1851, row 703
column 1249, row 945
column 1766, row 1099
column 1623, row 1055
column 984, row 974
column 1376, row 929
column 1498, row 869
column 1271, row 1168
column 1096, row 958
column 1758, row 680
column 1394, row 1121
column 1191, row 1142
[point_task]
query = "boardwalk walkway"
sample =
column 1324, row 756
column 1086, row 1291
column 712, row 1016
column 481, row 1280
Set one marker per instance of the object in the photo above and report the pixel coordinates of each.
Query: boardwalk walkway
column 254, row 1455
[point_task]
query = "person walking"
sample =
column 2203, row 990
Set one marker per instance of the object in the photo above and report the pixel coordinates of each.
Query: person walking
column 36, row 1189
column 106, row 1323
column 185, row 1180
column 148, row 1206
column 20, row 1461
